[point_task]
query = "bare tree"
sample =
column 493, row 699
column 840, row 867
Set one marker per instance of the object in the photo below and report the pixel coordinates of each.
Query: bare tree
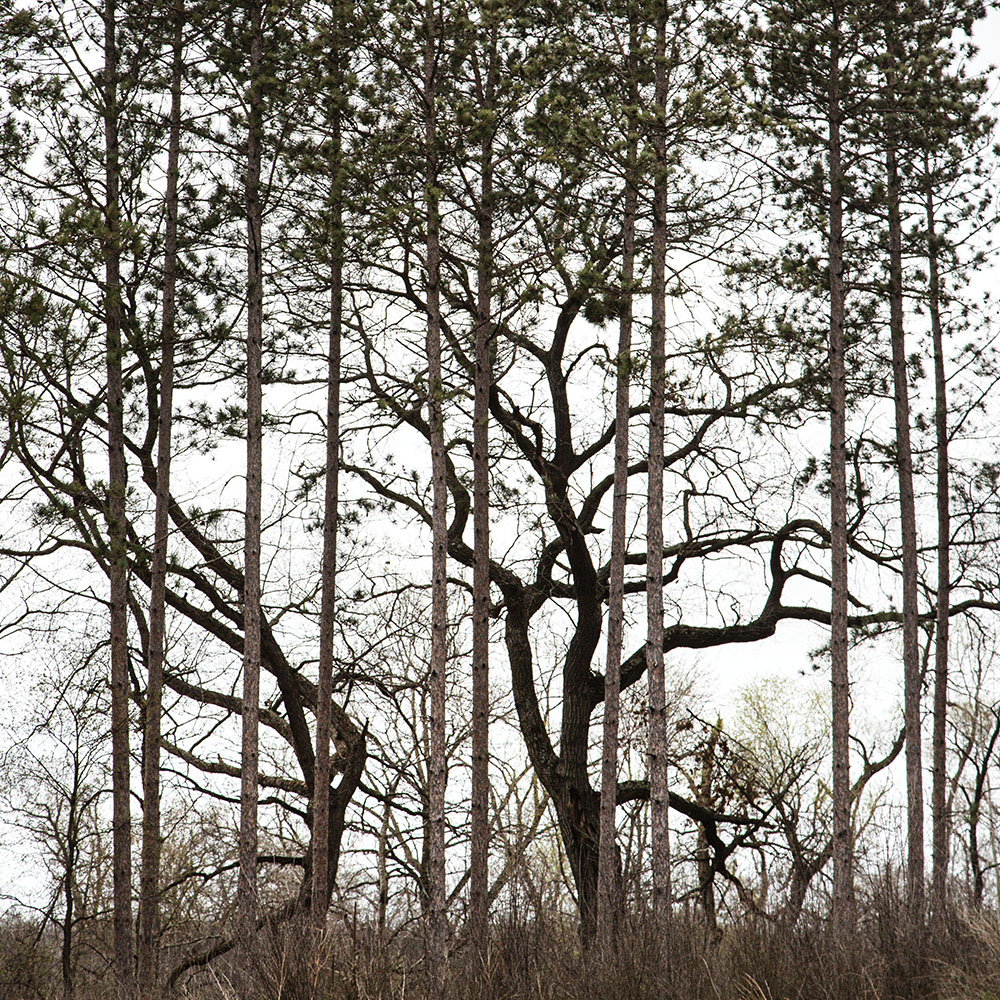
column 54, row 790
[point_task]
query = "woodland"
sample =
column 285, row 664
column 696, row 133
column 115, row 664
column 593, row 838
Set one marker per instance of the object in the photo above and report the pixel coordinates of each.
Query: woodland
column 499, row 499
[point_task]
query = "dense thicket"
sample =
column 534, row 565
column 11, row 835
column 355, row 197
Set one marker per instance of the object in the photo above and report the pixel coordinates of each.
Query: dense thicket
column 393, row 351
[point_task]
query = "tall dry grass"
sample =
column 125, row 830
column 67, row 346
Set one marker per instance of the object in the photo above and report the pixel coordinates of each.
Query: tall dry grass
column 540, row 959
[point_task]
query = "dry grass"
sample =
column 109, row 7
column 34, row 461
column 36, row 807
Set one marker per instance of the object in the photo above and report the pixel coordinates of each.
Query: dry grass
column 538, row 960
column 542, row 959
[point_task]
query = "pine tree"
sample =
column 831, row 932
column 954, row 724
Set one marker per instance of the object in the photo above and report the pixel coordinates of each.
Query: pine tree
column 907, row 503
column 934, row 126
column 659, row 792
column 818, row 91
column 486, row 78
column 437, row 780
column 843, row 854
column 116, row 517
column 149, row 892
column 247, row 886
column 324, row 688
column 608, row 875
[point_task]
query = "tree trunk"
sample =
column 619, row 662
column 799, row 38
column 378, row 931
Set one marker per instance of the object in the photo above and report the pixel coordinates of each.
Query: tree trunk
column 117, row 484
column 438, row 930
column 975, row 861
column 149, row 881
column 327, row 627
column 904, row 461
column 703, row 852
column 69, row 884
column 939, row 791
column 480, row 820
column 578, row 815
column 843, row 861
column 609, row 864
column 659, row 795
column 247, row 885
column 383, row 864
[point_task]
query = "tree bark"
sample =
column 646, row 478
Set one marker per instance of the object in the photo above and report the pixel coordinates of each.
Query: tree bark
column 480, row 821
column 247, row 902
column 904, row 462
column 149, row 882
column 324, row 689
column 609, row 864
column 659, row 794
column 438, row 929
column 117, row 530
column 843, row 850
column 939, row 790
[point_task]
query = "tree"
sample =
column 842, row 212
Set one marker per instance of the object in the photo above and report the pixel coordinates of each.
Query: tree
column 55, row 343
column 659, row 793
column 916, row 117
column 331, row 497
column 437, row 769
column 252, row 650
column 551, row 454
column 943, row 100
column 149, row 888
column 907, row 504
column 974, row 724
column 57, row 789
column 486, row 86
column 451, row 224
column 117, row 484
column 843, row 865
column 819, row 85
column 939, row 821
column 608, row 877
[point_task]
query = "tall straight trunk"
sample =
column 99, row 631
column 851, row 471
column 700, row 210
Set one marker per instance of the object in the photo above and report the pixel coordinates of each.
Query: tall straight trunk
column 908, row 523
column 438, row 930
column 117, row 484
column 149, row 879
column 842, row 848
column 608, row 874
column 247, row 884
column 324, row 690
column 480, row 832
column 659, row 794
column 939, row 791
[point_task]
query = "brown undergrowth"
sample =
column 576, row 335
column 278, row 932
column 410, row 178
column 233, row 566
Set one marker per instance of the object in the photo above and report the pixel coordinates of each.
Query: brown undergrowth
column 955, row 959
